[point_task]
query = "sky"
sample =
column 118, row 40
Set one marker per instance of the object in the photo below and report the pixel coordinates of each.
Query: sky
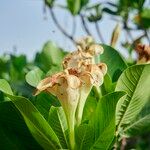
column 24, row 27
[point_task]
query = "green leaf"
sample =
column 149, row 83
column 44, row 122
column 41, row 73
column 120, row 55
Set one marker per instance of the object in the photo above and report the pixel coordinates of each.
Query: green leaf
column 84, row 137
column 44, row 101
column 74, row 6
column 103, row 121
column 139, row 127
column 135, row 82
column 4, row 87
column 37, row 125
column 107, row 86
column 89, row 108
column 14, row 134
column 51, row 55
column 33, row 77
column 53, row 70
column 114, row 61
column 19, row 62
column 57, row 121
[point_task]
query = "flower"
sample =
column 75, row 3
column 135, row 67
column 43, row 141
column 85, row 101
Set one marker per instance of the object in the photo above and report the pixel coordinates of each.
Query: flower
column 90, row 75
column 66, row 87
column 82, row 56
column 73, row 85
column 63, row 85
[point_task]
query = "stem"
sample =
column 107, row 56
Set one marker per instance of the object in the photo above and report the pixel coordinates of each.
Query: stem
column 71, row 132
column 123, row 144
column 80, row 112
column 147, row 36
column 84, row 92
column 60, row 27
column 73, row 27
column 97, row 92
column 84, row 25
column 70, row 117
column 99, row 32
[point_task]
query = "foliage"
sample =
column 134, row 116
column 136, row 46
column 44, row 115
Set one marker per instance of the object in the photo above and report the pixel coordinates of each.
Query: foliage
column 131, row 16
column 120, row 110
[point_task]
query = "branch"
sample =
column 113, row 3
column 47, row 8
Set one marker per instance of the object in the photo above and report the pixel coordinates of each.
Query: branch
column 99, row 32
column 123, row 144
column 85, row 25
column 146, row 34
column 73, row 27
column 60, row 27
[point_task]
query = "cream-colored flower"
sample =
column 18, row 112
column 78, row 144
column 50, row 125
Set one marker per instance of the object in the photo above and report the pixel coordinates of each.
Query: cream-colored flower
column 82, row 56
column 73, row 85
column 66, row 87
column 85, row 42
column 90, row 75
column 63, row 85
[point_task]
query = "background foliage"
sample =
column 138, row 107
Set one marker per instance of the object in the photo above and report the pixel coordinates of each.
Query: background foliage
column 26, row 119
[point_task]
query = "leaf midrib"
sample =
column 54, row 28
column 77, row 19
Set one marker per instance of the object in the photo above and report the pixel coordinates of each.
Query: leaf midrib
column 130, row 100
column 135, row 123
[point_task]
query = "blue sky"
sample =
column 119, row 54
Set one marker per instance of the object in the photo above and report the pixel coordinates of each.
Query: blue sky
column 22, row 25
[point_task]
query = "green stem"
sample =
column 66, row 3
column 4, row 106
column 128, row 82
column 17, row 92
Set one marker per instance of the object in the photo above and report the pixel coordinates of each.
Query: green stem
column 80, row 111
column 84, row 92
column 97, row 92
column 70, row 117
column 71, row 137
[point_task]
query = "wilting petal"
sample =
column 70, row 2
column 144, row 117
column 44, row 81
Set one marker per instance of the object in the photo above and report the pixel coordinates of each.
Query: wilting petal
column 85, row 42
column 47, row 83
column 103, row 68
column 77, row 59
column 95, row 49
column 97, row 73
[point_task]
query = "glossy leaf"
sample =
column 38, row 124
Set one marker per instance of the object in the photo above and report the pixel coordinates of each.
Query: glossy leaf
column 14, row 134
column 84, row 137
column 89, row 108
column 5, row 87
column 135, row 82
column 33, row 77
column 51, row 55
column 103, row 121
column 57, row 121
column 37, row 125
column 114, row 61
column 138, row 127
column 107, row 86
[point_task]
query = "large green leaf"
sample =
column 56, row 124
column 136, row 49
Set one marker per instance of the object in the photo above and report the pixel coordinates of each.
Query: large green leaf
column 39, row 128
column 89, row 108
column 103, row 121
column 139, row 127
column 57, row 121
column 51, row 55
column 44, row 101
column 33, row 77
column 14, row 134
column 135, row 81
column 114, row 61
column 84, row 137
column 107, row 86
